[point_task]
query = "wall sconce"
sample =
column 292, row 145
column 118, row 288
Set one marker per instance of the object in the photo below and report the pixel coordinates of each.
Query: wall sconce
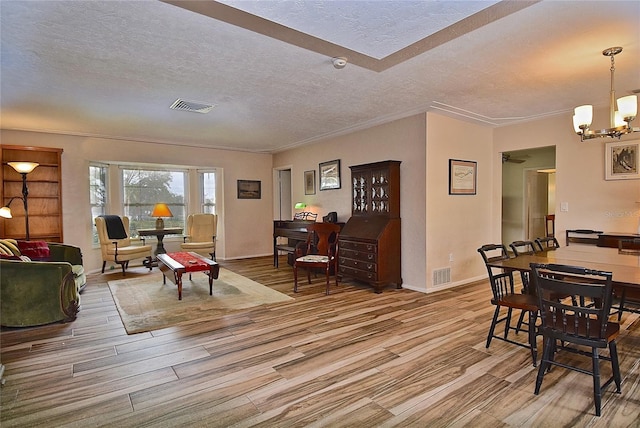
column 23, row 168
column 161, row 210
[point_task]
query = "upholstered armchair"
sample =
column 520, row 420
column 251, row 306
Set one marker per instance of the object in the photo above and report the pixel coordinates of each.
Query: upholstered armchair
column 201, row 234
column 115, row 242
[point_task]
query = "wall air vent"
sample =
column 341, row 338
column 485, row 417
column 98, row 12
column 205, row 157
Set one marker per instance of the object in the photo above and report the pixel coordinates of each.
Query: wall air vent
column 183, row 105
column 441, row 276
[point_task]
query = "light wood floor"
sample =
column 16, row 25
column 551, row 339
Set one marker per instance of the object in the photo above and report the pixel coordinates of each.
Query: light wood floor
column 354, row 358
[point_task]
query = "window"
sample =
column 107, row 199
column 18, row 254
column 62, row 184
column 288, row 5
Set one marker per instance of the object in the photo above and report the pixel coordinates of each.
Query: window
column 208, row 191
column 98, row 194
column 143, row 188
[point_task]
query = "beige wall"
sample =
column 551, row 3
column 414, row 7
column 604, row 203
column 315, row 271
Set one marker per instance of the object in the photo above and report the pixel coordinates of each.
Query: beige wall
column 245, row 225
column 402, row 140
column 435, row 224
column 457, row 224
column 594, row 203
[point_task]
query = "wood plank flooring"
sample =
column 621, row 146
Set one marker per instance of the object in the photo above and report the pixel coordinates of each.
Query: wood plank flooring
column 350, row 359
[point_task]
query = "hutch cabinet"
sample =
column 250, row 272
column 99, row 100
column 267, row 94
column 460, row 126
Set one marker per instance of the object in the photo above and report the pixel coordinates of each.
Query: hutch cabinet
column 45, row 193
column 369, row 243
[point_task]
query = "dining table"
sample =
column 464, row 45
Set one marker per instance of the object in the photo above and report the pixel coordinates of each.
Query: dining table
column 625, row 268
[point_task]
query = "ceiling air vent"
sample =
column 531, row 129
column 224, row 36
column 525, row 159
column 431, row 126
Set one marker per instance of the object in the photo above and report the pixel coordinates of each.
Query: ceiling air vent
column 183, row 105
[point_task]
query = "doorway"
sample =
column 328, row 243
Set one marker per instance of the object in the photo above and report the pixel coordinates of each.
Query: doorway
column 528, row 192
column 282, row 207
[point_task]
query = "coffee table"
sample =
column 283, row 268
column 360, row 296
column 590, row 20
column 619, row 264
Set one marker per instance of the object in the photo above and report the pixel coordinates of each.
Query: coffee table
column 182, row 262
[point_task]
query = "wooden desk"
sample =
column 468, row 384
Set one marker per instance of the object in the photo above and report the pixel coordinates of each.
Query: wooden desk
column 294, row 230
column 625, row 268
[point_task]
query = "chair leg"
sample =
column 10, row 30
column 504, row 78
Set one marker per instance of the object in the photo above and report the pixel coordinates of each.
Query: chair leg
column 327, row 275
column 295, row 278
column 104, row 263
column 520, row 322
column 621, row 307
column 615, row 365
column 508, row 323
column 544, row 363
column 532, row 337
column 492, row 329
column 597, row 392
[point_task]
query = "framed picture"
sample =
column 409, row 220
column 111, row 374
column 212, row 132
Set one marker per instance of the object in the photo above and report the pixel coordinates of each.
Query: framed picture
column 249, row 189
column 621, row 160
column 310, row 182
column 330, row 175
column 462, row 177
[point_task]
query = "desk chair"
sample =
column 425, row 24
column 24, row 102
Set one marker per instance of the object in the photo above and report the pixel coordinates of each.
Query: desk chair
column 504, row 296
column 571, row 321
column 320, row 251
column 115, row 243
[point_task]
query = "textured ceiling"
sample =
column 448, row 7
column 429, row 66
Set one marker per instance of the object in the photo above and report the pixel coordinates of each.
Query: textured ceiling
column 113, row 69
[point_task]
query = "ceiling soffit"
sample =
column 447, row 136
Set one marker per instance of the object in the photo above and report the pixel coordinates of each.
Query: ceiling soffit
column 266, row 27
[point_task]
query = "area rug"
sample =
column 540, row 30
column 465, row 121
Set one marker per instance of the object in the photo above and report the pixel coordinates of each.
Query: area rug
column 145, row 303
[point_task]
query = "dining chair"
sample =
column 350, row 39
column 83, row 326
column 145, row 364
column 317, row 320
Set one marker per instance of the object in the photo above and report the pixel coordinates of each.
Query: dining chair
column 550, row 225
column 629, row 298
column 201, row 234
column 519, row 248
column 504, row 296
column 115, row 243
column 582, row 236
column 319, row 252
column 573, row 322
column 547, row 243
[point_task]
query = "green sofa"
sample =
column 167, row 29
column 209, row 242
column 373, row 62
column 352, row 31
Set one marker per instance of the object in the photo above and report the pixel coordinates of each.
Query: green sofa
column 40, row 292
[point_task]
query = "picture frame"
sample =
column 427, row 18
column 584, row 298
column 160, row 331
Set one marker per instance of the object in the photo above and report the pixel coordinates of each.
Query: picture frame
column 622, row 160
column 249, row 189
column 329, row 175
column 310, row 182
column 462, row 177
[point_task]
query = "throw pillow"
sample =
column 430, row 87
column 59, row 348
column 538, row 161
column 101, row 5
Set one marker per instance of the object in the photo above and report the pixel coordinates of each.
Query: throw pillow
column 35, row 250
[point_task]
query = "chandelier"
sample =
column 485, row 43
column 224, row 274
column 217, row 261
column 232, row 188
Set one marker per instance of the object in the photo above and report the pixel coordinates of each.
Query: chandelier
column 620, row 120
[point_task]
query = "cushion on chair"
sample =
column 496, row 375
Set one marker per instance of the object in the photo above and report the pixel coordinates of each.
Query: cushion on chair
column 35, row 250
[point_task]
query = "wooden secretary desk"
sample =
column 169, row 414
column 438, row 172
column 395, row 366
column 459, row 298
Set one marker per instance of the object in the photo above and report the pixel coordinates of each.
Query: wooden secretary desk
column 369, row 244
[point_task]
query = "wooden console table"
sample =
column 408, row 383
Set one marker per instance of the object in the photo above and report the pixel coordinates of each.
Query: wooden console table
column 611, row 239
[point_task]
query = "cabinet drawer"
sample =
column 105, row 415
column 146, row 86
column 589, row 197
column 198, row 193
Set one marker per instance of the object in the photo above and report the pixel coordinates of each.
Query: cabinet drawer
column 358, row 264
column 359, row 255
column 358, row 274
column 359, row 246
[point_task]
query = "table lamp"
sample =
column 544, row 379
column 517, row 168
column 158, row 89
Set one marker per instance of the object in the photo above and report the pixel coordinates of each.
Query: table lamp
column 161, row 210
column 23, row 168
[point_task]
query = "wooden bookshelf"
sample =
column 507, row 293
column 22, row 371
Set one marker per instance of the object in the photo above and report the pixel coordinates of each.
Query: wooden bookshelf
column 45, row 193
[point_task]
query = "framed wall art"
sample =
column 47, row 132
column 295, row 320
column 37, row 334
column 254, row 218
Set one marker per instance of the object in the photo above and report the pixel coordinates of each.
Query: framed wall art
column 310, row 182
column 249, row 189
column 621, row 160
column 330, row 175
column 462, row 177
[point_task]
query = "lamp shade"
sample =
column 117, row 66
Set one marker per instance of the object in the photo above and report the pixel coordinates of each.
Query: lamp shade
column 584, row 115
column 300, row 205
column 23, row 167
column 161, row 210
column 628, row 107
column 5, row 212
